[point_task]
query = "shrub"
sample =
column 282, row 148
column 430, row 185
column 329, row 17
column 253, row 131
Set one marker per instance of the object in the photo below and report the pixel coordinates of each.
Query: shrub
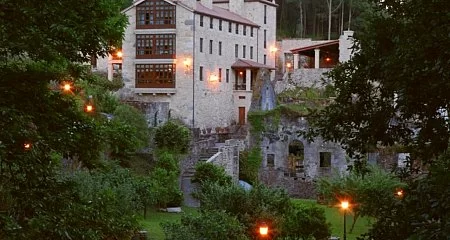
column 210, row 225
column 249, row 164
column 249, row 207
column 305, row 222
column 164, row 180
column 172, row 137
column 208, row 172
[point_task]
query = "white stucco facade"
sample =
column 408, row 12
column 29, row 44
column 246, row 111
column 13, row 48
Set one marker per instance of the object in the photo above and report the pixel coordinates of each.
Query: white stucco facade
column 202, row 100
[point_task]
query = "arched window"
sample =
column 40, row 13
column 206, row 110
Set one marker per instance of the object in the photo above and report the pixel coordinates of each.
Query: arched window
column 296, row 156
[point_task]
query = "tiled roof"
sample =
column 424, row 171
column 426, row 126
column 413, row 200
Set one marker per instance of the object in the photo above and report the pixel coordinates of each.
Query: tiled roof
column 223, row 13
column 269, row 2
column 314, row 45
column 241, row 63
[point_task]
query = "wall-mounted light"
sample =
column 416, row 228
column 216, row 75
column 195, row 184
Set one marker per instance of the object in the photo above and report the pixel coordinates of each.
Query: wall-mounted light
column 289, row 70
column 213, row 78
column 187, row 65
column 273, row 49
column 119, row 54
column 327, row 59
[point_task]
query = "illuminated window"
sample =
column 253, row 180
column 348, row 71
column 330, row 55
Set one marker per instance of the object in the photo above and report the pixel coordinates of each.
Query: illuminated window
column 155, row 75
column 155, row 14
column 155, row 46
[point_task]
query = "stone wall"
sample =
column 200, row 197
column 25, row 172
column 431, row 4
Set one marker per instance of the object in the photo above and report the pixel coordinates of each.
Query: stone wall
column 298, row 180
column 302, row 77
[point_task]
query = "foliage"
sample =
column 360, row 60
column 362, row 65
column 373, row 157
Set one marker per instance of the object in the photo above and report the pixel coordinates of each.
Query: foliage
column 208, row 225
column 305, row 222
column 47, row 31
column 423, row 212
column 260, row 204
column 249, row 164
column 164, row 180
column 365, row 192
column 395, row 88
column 172, row 136
column 208, row 172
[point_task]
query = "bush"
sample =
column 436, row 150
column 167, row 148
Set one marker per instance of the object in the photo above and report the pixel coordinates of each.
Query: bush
column 164, row 180
column 305, row 222
column 261, row 204
column 208, row 172
column 172, row 137
column 211, row 225
column 249, row 164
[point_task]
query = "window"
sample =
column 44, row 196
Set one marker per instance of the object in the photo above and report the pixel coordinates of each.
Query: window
column 210, row 46
column 220, row 74
column 270, row 160
column 236, row 50
column 201, row 44
column 227, row 77
column 265, row 39
column 265, row 14
column 251, row 52
column 220, row 48
column 243, row 51
column 325, row 159
column 155, row 46
column 265, row 59
column 251, row 31
column 237, row 28
column 296, row 156
column 155, row 14
column 229, row 26
column 244, row 30
column 220, row 24
column 211, row 22
column 201, row 73
column 155, row 75
column 201, row 21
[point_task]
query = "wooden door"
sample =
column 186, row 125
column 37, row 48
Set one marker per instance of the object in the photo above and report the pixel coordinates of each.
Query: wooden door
column 241, row 115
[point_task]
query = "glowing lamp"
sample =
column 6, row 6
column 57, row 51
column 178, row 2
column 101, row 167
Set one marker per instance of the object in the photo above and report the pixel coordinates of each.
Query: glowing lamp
column 327, row 59
column 344, row 205
column 263, row 229
column 27, row 146
column 288, row 65
column 273, row 49
column 119, row 54
column 399, row 193
column 89, row 108
column 213, row 78
column 67, row 87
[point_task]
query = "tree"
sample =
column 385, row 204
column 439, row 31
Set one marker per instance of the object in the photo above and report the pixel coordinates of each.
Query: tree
column 395, row 88
column 45, row 30
column 366, row 192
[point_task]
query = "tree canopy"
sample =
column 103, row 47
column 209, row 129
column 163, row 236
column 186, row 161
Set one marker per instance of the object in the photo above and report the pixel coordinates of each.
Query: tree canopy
column 48, row 29
column 395, row 88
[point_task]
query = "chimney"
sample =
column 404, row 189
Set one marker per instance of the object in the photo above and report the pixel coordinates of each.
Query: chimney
column 236, row 6
column 345, row 46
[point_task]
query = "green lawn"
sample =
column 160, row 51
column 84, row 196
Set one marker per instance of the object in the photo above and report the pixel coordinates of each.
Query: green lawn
column 336, row 217
column 333, row 215
column 154, row 218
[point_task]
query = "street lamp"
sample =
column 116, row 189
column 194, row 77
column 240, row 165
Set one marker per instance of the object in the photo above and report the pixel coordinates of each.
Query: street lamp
column 263, row 230
column 345, row 206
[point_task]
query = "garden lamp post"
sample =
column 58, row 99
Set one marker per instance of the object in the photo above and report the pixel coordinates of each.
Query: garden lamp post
column 344, row 206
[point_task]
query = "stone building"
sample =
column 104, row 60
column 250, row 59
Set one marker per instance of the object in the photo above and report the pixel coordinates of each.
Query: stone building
column 196, row 61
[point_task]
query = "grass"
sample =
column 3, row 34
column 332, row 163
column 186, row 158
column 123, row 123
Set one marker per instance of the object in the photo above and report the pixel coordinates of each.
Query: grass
column 333, row 215
column 155, row 218
column 336, row 217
